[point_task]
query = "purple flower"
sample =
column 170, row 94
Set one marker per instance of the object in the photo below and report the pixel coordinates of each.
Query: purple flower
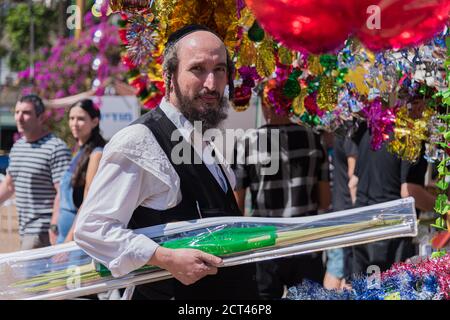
column 60, row 94
column 59, row 114
column 100, row 91
column 25, row 74
column 73, row 89
column 43, row 86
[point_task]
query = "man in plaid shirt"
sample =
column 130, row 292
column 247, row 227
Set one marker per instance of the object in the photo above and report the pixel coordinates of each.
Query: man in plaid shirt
column 300, row 187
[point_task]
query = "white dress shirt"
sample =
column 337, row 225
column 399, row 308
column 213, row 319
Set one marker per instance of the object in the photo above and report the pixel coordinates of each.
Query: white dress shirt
column 134, row 171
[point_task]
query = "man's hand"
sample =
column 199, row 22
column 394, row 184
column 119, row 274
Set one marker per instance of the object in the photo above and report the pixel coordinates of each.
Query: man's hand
column 330, row 282
column 352, row 186
column 186, row 265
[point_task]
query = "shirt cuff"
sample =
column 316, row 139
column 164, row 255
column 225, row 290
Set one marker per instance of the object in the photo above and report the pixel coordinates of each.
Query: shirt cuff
column 137, row 254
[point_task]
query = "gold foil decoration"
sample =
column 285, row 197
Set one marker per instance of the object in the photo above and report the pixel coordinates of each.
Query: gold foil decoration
column 360, row 76
column 409, row 134
column 225, row 18
column 247, row 18
column 218, row 15
column 298, row 104
column 314, row 65
column 164, row 9
column 128, row 5
column 327, row 96
column 265, row 59
column 247, row 52
column 285, row 55
column 239, row 108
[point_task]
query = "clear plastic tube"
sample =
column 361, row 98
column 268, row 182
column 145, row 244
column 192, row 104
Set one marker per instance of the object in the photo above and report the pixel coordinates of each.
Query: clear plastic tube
column 65, row 271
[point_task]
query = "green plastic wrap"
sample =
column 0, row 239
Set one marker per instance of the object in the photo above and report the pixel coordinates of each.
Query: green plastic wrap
column 228, row 241
column 217, row 242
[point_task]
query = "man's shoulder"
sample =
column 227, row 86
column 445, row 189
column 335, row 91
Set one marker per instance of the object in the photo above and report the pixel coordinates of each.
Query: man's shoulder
column 55, row 142
column 149, row 117
column 18, row 143
column 129, row 137
column 134, row 130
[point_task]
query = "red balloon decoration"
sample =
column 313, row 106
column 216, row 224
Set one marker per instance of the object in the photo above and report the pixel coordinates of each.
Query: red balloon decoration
column 321, row 26
column 315, row 25
column 404, row 23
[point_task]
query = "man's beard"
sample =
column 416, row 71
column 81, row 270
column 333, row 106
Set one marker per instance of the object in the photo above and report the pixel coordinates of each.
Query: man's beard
column 210, row 116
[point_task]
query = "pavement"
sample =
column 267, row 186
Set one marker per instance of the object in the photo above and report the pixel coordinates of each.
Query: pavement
column 9, row 228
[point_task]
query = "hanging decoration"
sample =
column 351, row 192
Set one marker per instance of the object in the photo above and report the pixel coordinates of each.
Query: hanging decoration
column 138, row 34
column 380, row 25
column 410, row 133
column 319, row 90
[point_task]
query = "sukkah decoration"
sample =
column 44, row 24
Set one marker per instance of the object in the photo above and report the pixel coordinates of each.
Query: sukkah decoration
column 280, row 91
column 243, row 93
column 410, row 133
column 149, row 23
column 428, row 279
column 324, row 92
column 374, row 78
column 380, row 121
column 321, row 81
column 322, row 26
column 129, row 5
column 138, row 34
column 307, row 92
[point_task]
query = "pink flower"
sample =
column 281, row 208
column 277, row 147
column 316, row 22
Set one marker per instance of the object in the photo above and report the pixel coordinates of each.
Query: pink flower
column 73, row 89
column 24, row 74
column 60, row 94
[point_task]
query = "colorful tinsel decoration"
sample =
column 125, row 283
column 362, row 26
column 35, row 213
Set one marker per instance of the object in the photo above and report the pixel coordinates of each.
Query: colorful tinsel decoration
column 142, row 37
column 243, row 93
column 380, row 121
column 409, row 133
column 148, row 92
column 280, row 90
column 326, row 91
column 424, row 280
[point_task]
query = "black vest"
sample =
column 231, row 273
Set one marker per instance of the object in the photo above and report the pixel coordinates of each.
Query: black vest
column 202, row 197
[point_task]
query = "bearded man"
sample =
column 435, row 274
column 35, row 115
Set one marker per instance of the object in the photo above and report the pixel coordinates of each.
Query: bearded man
column 141, row 181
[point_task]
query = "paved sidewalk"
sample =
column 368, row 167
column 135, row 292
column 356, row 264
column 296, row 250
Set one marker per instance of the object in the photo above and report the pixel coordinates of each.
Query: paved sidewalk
column 9, row 228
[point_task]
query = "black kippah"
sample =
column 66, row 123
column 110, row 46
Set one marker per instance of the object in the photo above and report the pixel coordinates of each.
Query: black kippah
column 181, row 33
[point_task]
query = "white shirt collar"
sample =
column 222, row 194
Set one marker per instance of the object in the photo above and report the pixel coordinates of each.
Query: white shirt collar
column 178, row 119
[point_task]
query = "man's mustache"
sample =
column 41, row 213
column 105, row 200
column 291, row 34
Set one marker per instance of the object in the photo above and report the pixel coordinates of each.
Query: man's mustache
column 208, row 93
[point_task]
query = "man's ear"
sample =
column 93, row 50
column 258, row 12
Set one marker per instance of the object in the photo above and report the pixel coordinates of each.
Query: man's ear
column 43, row 117
column 172, row 82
